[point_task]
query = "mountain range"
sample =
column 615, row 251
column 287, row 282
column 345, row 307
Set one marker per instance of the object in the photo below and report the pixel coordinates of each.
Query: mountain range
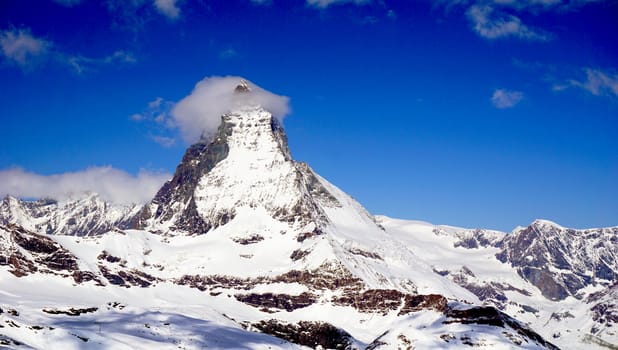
column 246, row 248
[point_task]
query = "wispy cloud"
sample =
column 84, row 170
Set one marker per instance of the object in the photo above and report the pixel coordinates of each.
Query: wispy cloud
column 134, row 15
column 157, row 118
column 326, row 3
column 498, row 19
column 22, row 48
column 491, row 24
column 81, row 64
column 168, row 8
column 164, row 140
column 228, row 53
column 503, row 98
column 158, row 111
column 597, row 82
column 111, row 184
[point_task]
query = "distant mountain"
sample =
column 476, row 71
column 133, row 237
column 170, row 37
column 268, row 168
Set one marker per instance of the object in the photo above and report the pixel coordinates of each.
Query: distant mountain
column 502, row 270
column 562, row 262
column 84, row 215
column 246, row 248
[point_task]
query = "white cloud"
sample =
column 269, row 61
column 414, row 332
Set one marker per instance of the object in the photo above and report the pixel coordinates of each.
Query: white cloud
column 492, row 24
column 22, row 48
column 326, row 3
column 157, row 111
column 199, row 114
column 168, row 8
column 136, row 117
column 503, row 98
column 164, row 140
column 25, row 50
column 81, row 64
column 111, row 184
column 497, row 19
column 597, row 82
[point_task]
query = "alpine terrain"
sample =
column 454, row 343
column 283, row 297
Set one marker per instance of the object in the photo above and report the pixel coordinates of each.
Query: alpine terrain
column 245, row 248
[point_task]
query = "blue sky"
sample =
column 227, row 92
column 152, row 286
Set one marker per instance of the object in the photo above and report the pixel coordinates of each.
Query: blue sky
column 474, row 113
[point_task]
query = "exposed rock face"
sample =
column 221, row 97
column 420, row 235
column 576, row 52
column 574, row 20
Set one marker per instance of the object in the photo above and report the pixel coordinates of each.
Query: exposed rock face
column 311, row 334
column 27, row 252
column 384, row 301
column 330, row 276
column 478, row 238
column 489, row 292
column 71, row 312
column 277, row 301
column 491, row 316
column 127, row 277
column 604, row 310
column 174, row 203
column 558, row 260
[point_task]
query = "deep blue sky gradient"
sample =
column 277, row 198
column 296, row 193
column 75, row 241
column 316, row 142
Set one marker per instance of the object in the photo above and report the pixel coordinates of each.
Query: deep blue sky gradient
column 396, row 110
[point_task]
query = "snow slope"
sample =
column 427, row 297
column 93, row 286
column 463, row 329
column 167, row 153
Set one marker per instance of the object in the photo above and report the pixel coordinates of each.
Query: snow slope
column 244, row 242
column 478, row 268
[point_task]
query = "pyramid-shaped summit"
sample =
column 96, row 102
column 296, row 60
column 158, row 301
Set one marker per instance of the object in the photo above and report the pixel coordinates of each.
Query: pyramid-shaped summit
column 248, row 239
column 246, row 167
column 243, row 186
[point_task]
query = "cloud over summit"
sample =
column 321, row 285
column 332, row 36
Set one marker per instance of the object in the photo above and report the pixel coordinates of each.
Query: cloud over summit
column 199, row 114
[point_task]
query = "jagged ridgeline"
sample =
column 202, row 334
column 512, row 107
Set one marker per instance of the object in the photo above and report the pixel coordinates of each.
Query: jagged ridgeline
column 245, row 247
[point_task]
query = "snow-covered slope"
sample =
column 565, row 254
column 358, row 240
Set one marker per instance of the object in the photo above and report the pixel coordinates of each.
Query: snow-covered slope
column 144, row 290
column 243, row 240
column 475, row 260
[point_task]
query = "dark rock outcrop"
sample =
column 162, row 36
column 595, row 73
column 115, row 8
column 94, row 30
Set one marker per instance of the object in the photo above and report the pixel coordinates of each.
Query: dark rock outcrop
column 277, row 301
column 198, row 160
column 311, row 334
column 488, row 315
column 27, row 252
column 386, row 300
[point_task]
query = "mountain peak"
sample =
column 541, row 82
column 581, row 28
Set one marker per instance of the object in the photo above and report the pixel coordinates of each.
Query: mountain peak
column 246, row 167
column 545, row 223
column 242, row 87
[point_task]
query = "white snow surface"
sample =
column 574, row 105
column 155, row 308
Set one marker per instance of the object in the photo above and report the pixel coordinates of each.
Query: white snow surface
column 256, row 181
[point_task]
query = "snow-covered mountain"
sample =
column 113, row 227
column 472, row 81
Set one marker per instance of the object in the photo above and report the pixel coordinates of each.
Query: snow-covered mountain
column 475, row 260
column 81, row 215
column 246, row 248
column 562, row 262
